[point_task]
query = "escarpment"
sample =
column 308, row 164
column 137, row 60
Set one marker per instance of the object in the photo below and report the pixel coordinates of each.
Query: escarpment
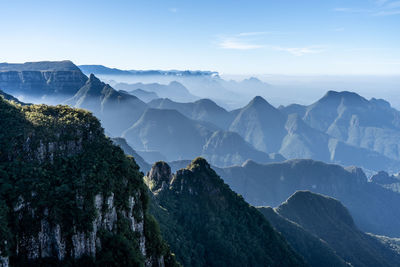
column 68, row 195
column 41, row 78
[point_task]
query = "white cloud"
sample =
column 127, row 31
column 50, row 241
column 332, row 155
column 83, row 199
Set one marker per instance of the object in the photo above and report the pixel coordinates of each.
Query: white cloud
column 238, row 45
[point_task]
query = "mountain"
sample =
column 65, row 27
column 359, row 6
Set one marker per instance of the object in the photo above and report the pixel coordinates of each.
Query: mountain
column 169, row 132
column 173, row 90
column 68, row 196
column 207, row 224
column 203, row 110
column 116, row 110
column 228, row 148
column 144, row 95
column 177, row 138
column 373, row 207
column 315, row 251
column 302, row 141
column 371, row 124
column 293, row 132
column 102, row 70
column 60, row 79
column 391, row 182
column 121, row 142
column 260, row 124
column 328, row 219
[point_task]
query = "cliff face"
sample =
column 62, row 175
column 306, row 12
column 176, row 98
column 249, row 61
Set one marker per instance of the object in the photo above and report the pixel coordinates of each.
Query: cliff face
column 36, row 79
column 68, row 195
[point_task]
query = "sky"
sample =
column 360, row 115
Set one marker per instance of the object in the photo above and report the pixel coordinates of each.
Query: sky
column 290, row 37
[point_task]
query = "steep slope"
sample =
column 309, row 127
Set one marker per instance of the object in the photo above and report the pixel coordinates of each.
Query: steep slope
column 203, row 109
column 117, row 111
column 10, row 98
column 372, row 124
column 373, row 208
column 37, row 79
column 302, row 141
column 169, row 132
column 70, row 196
column 260, row 124
column 207, row 224
column 121, row 142
column 328, row 219
column 315, row 251
column 228, row 148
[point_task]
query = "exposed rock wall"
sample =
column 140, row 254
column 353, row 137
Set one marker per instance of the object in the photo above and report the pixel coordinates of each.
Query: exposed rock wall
column 42, row 82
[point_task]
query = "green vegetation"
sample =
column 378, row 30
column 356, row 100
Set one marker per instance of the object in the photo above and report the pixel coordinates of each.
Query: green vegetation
column 54, row 161
column 207, row 224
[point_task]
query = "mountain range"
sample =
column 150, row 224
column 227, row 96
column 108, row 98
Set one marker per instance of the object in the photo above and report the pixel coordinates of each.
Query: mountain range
column 372, row 206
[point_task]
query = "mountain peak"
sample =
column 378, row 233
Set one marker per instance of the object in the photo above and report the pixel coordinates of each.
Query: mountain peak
column 159, row 176
column 305, row 205
column 93, row 78
column 199, row 163
column 259, row 100
column 347, row 95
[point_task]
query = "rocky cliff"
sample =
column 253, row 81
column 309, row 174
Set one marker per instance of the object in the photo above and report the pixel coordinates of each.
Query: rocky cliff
column 68, row 196
column 41, row 78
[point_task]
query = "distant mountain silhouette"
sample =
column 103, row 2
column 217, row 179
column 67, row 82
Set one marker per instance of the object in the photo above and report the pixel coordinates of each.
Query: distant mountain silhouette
column 371, row 124
column 170, row 132
column 228, row 148
column 203, row 109
column 173, row 90
column 145, row 96
column 260, row 124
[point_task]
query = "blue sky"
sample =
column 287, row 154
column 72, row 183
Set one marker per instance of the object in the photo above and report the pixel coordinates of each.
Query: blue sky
column 232, row 37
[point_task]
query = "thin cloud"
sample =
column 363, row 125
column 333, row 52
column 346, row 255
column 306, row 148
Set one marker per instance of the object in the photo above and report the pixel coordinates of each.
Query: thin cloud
column 253, row 33
column 238, row 45
column 173, row 9
column 300, row 51
column 381, row 8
